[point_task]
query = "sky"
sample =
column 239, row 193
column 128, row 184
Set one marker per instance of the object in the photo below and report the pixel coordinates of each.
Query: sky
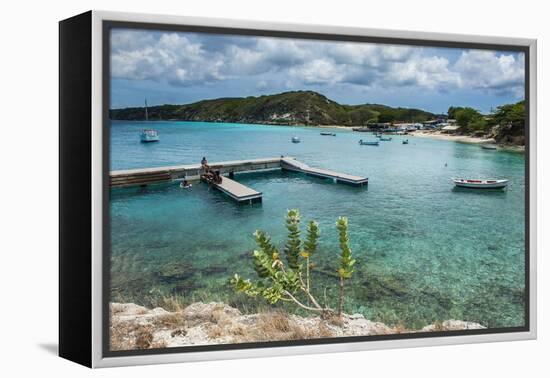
column 182, row 67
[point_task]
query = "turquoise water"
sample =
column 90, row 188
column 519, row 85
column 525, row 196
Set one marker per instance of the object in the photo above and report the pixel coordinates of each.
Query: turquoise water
column 425, row 251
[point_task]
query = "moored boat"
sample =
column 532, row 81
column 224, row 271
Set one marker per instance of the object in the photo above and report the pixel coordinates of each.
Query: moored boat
column 406, row 141
column 295, row 139
column 149, row 135
column 489, row 146
column 327, row 133
column 382, row 139
column 480, row 184
column 368, row 143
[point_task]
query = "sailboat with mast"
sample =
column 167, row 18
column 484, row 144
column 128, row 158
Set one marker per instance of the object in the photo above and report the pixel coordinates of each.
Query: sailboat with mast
column 148, row 135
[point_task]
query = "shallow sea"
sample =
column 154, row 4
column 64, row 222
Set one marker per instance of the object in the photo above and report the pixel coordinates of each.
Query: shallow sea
column 425, row 250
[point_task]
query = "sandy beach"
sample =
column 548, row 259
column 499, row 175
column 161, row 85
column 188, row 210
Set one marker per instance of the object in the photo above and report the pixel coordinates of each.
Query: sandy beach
column 454, row 138
column 441, row 136
column 464, row 139
column 349, row 128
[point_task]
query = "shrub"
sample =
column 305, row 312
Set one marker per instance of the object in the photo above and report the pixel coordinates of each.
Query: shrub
column 280, row 281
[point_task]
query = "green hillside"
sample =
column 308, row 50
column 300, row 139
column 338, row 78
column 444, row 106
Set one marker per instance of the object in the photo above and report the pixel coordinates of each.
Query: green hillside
column 289, row 108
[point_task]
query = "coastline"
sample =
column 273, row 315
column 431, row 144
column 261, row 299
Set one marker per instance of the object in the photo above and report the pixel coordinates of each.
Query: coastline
column 349, row 128
column 453, row 138
column 466, row 139
column 439, row 135
column 136, row 327
column 419, row 133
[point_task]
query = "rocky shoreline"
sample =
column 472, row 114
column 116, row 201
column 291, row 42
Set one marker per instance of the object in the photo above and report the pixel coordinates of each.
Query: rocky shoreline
column 137, row 327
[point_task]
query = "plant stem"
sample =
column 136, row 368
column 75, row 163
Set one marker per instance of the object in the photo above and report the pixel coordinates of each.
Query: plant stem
column 308, row 294
column 341, row 299
column 319, row 309
column 307, row 273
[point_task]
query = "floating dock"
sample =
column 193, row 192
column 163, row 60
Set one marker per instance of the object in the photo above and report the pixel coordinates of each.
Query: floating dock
column 237, row 191
column 296, row 166
column 233, row 189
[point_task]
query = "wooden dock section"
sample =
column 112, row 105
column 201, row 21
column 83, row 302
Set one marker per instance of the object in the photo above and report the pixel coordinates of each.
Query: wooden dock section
column 296, row 166
column 238, row 192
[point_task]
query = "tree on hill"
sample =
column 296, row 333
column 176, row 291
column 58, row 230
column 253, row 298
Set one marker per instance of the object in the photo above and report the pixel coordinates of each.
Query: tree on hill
column 510, row 113
column 508, row 123
column 386, row 118
column 451, row 113
column 469, row 119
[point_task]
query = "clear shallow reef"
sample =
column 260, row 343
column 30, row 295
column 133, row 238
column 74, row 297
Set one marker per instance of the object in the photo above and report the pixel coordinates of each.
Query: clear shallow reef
column 425, row 251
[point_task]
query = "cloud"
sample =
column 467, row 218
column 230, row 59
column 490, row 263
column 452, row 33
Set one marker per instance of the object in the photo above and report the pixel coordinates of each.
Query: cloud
column 489, row 71
column 431, row 73
column 318, row 71
column 185, row 59
column 377, row 67
column 169, row 57
column 369, row 55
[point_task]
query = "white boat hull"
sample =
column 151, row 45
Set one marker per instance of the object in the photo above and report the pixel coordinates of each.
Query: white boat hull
column 149, row 139
column 149, row 136
column 480, row 184
column 367, row 143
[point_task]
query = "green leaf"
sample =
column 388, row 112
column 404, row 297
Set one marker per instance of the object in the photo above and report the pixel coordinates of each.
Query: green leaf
column 293, row 243
column 312, row 238
column 346, row 260
column 263, row 264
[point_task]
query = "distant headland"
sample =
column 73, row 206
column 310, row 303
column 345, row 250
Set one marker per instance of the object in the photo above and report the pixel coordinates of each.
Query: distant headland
column 288, row 108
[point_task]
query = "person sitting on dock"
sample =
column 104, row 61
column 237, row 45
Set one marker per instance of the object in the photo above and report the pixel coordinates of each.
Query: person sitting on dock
column 204, row 164
column 217, row 177
column 208, row 176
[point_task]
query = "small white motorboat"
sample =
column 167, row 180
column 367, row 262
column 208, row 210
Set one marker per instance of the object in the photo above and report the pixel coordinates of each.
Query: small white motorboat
column 149, row 135
column 480, row 184
column 489, row 146
column 368, row 142
column 295, row 139
column 328, row 134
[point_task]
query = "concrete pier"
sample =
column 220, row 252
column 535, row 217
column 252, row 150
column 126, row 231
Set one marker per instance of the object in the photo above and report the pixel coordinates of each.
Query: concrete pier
column 237, row 191
column 230, row 187
column 191, row 172
column 291, row 164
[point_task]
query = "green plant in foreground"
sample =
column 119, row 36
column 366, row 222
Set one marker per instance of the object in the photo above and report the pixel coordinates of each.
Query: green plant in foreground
column 346, row 261
column 278, row 281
